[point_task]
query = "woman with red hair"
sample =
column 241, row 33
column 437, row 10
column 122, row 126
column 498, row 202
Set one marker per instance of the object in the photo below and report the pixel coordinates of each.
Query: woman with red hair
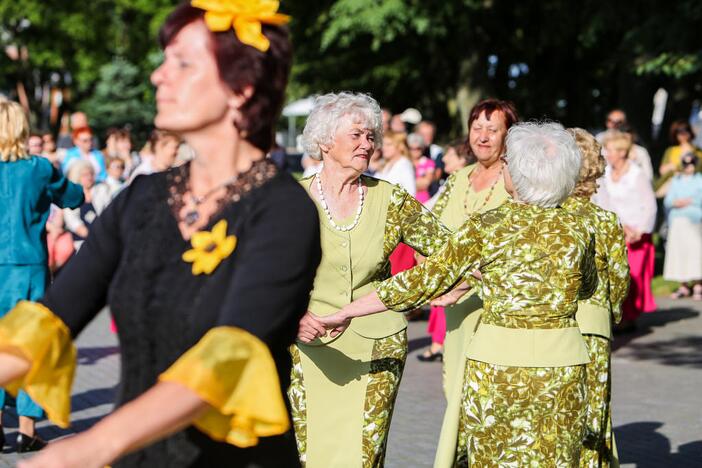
column 83, row 150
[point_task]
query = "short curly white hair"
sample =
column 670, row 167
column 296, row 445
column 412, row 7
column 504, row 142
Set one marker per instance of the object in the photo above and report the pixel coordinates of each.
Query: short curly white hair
column 544, row 162
column 329, row 109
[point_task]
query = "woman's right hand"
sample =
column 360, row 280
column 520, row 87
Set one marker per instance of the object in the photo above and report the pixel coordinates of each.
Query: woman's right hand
column 310, row 328
column 682, row 202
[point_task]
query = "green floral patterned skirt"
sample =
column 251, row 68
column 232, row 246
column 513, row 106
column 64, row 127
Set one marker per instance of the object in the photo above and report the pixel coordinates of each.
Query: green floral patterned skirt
column 522, row 416
column 598, row 446
column 342, row 397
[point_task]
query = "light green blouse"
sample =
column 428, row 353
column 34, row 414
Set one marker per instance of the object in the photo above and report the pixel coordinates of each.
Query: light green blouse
column 352, row 260
column 536, row 264
column 596, row 313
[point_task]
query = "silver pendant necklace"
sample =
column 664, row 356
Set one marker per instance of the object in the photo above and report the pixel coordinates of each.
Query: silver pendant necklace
column 192, row 215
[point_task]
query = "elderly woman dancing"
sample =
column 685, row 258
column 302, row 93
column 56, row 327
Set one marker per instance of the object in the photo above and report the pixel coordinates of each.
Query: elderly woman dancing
column 595, row 315
column 476, row 188
column 524, row 389
column 343, row 388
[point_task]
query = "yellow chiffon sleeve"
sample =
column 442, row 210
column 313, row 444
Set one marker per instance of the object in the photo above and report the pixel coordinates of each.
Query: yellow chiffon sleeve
column 234, row 372
column 32, row 332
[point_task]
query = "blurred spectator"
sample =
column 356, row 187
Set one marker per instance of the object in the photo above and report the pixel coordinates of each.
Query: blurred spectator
column 115, row 176
column 376, row 162
column 626, row 191
column 97, row 197
column 455, row 159
column 35, row 145
column 123, row 146
column 58, row 241
column 30, row 184
column 615, row 119
column 83, row 151
column 423, row 166
column 398, row 168
column 683, row 254
column 110, row 149
column 428, row 131
column 161, row 154
column 397, row 125
column 638, row 154
column 385, row 115
column 77, row 120
column 681, row 136
column 50, row 152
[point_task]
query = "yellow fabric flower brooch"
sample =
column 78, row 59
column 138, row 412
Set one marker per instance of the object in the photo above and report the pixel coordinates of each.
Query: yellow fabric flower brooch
column 210, row 248
column 245, row 16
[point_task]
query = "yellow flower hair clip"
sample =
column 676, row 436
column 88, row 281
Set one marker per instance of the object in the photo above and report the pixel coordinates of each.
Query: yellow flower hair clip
column 245, row 16
column 210, row 248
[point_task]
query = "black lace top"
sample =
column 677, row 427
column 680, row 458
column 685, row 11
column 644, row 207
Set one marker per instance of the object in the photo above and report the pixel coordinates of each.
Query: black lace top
column 132, row 262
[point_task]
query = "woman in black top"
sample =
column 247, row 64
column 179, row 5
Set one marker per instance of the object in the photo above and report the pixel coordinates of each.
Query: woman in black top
column 206, row 268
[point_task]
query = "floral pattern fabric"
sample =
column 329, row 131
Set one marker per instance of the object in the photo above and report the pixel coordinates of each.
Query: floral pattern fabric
column 298, row 404
column 387, row 363
column 597, row 447
column 522, row 416
column 536, row 263
column 610, row 258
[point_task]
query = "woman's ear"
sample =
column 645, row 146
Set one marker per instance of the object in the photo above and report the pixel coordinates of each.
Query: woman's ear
column 237, row 100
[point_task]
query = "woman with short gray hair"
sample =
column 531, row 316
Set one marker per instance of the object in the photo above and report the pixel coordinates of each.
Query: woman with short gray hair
column 343, row 387
column 524, row 385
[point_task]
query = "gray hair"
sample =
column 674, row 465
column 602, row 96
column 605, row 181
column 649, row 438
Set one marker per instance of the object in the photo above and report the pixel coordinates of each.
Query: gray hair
column 544, row 162
column 415, row 139
column 328, row 111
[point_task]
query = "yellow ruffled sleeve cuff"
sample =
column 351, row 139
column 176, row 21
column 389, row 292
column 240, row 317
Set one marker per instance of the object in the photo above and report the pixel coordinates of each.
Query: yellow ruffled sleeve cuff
column 234, row 372
column 32, row 332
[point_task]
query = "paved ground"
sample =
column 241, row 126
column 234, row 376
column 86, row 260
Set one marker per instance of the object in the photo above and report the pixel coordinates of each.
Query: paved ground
column 657, row 392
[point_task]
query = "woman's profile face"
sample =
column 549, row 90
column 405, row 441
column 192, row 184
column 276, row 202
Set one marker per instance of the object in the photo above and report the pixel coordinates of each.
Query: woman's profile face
column 389, row 149
column 190, row 95
column 487, row 136
column 683, row 136
column 353, row 145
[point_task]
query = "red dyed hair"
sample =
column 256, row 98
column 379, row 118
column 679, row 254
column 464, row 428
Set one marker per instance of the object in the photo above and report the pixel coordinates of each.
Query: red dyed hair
column 491, row 105
column 241, row 65
column 79, row 131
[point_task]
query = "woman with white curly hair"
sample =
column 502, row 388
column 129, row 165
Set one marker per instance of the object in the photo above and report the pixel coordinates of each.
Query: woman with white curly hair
column 344, row 387
column 524, row 385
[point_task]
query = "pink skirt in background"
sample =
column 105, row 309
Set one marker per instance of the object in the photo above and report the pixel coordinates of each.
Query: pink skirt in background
column 437, row 325
column 642, row 256
column 402, row 258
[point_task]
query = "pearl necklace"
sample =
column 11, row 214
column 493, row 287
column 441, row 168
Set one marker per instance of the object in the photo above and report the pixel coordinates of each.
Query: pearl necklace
column 325, row 207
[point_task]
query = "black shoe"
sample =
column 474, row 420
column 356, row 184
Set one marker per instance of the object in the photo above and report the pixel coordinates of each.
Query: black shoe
column 2, row 439
column 431, row 357
column 26, row 443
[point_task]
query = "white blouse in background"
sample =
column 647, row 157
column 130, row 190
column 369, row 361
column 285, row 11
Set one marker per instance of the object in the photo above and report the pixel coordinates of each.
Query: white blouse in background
column 400, row 172
column 631, row 198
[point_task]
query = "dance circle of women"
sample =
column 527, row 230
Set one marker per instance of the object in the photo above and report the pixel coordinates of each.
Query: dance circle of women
column 524, row 398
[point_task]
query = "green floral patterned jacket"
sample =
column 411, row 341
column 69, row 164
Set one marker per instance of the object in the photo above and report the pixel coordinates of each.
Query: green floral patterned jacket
column 536, row 264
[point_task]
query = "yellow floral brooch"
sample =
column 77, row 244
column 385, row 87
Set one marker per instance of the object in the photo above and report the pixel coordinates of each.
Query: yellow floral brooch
column 245, row 16
column 210, row 248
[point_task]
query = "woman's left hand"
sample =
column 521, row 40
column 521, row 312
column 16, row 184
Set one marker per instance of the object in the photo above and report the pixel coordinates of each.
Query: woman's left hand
column 79, row 451
column 337, row 322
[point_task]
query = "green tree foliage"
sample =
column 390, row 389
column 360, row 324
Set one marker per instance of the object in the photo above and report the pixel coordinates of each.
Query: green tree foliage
column 565, row 59
column 121, row 98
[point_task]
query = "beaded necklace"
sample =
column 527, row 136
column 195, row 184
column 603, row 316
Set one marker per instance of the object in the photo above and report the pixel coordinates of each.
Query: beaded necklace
column 487, row 197
column 327, row 211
